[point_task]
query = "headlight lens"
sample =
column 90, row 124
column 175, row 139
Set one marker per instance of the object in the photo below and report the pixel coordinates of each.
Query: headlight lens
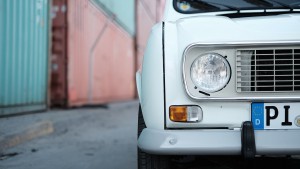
column 210, row 72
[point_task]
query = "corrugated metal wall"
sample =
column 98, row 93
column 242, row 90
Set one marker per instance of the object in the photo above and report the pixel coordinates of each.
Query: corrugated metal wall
column 93, row 53
column 23, row 55
column 101, row 59
column 100, row 56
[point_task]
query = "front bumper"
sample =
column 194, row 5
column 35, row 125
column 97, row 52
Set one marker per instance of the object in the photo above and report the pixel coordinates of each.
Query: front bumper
column 217, row 142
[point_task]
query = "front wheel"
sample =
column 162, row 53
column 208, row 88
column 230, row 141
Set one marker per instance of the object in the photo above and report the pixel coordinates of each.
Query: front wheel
column 149, row 161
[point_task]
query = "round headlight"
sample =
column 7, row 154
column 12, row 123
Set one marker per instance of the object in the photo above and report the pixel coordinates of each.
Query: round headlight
column 210, row 72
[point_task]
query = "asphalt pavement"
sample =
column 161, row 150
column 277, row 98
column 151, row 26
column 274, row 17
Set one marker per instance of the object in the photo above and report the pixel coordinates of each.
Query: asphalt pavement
column 95, row 138
column 84, row 138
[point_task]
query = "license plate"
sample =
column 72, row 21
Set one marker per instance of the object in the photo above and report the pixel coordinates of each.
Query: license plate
column 275, row 116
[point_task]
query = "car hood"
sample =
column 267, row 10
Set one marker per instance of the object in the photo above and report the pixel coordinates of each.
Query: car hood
column 220, row 29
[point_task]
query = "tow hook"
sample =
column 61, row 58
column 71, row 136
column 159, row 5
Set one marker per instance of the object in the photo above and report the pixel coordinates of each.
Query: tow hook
column 248, row 141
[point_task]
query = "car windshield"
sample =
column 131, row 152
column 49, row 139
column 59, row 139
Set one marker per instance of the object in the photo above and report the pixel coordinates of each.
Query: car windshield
column 199, row 6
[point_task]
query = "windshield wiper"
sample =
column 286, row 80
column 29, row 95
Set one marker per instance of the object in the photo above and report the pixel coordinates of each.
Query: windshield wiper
column 217, row 5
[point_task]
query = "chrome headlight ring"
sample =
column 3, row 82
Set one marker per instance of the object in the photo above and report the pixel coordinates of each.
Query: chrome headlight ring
column 210, row 72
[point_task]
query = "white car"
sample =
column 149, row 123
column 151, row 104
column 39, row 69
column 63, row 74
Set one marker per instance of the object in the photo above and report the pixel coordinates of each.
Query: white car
column 221, row 77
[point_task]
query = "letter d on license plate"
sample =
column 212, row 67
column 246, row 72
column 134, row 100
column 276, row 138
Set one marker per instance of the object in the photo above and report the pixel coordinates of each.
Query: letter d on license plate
column 275, row 116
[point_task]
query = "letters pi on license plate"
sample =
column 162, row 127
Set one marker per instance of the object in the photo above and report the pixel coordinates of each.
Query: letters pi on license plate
column 275, row 116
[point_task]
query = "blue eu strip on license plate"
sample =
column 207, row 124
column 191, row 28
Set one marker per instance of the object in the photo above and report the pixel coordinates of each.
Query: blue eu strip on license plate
column 269, row 116
column 258, row 116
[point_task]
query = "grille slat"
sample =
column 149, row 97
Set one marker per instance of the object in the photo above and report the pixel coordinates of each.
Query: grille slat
column 273, row 81
column 268, row 70
column 278, row 65
column 271, row 60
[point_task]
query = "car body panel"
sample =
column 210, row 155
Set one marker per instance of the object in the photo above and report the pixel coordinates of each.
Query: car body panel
column 152, row 85
column 179, row 35
column 162, row 84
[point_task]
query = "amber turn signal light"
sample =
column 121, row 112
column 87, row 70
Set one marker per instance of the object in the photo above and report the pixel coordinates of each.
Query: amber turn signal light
column 185, row 113
column 178, row 113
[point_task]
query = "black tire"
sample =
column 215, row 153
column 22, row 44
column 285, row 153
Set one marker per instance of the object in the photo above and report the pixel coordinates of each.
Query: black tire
column 149, row 161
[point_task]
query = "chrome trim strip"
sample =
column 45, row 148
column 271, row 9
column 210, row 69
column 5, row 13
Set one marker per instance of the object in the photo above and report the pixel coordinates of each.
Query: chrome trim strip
column 237, row 44
column 252, row 99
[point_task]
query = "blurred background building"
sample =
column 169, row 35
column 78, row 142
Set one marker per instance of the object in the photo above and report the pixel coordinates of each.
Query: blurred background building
column 69, row 53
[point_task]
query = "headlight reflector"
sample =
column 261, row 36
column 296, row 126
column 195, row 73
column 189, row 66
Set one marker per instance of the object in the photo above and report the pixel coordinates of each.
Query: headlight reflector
column 210, row 72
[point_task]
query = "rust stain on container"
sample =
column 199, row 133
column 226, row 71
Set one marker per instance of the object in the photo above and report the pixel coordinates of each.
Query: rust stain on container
column 99, row 57
column 59, row 53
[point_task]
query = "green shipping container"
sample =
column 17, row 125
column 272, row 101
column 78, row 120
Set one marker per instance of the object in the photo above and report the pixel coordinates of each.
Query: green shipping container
column 24, row 50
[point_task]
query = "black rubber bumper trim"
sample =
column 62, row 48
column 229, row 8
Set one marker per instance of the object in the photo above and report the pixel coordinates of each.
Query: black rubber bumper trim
column 248, row 141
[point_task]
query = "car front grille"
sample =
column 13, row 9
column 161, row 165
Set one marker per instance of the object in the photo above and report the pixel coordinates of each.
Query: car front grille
column 268, row 70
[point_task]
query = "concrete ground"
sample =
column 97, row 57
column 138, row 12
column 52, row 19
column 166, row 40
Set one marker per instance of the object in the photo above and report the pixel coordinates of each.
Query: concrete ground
column 84, row 138
column 92, row 138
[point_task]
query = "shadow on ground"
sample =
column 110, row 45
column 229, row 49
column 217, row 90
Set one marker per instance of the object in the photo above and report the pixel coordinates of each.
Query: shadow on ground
column 235, row 162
